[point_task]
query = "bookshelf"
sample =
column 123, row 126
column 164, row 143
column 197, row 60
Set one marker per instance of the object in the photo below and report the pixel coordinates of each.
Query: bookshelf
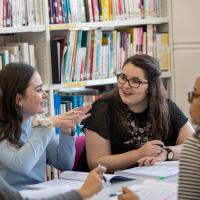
column 40, row 35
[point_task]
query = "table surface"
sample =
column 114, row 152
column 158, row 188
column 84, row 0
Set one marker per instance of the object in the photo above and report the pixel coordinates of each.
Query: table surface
column 116, row 187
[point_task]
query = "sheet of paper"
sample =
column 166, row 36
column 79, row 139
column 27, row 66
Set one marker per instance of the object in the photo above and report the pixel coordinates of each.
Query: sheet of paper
column 56, row 188
column 148, row 190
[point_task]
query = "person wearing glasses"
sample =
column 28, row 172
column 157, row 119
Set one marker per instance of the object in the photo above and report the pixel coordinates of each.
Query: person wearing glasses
column 189, row 172
column 136, row 123
column 189, row 175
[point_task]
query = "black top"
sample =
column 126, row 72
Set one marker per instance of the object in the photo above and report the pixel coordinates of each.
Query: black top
column 103, row 122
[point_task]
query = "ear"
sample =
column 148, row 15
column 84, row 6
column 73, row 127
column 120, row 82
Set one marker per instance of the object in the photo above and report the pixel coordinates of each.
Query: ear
column 18, row 99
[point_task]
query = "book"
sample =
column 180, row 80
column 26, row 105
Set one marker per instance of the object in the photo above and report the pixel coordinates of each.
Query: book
column 74, row 178
column 148, row 190
column 160, row 170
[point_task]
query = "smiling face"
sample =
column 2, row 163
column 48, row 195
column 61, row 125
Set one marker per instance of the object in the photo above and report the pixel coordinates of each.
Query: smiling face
column 134, row 98
column 195, row 104
column 32, row 102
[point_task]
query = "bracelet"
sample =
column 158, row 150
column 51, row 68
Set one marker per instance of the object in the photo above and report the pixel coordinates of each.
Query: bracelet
column 41, row 121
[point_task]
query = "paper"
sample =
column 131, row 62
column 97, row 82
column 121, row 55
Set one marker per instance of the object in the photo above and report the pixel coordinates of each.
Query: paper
column 148, row 190
column 159, row 170
column 53, row 183
column 52, row 191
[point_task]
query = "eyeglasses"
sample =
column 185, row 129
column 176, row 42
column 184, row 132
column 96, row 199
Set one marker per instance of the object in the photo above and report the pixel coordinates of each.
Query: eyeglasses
column 192, row 95
column 133, row 82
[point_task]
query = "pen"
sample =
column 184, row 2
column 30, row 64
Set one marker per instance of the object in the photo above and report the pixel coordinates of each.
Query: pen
column 161, row 145
column 115, row 194
column 103, row 175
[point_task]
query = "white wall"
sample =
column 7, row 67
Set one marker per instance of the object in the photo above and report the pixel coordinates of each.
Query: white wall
column 186, row 48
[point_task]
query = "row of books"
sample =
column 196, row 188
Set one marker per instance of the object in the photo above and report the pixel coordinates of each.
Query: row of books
column 70, row 11
column 95, row 54
column 21, row 13
column 17, row 52
column 64, row 102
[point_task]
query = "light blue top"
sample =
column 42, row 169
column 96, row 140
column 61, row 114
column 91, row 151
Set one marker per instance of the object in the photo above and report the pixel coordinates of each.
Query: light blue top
column 26, row 165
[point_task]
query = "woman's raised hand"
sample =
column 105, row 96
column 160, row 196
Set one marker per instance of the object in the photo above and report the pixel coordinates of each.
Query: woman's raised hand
column 70, row 119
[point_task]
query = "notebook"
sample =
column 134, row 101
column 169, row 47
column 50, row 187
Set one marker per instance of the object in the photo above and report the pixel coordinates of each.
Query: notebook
column 74, row 179
column 161, row 170
column 148, row 190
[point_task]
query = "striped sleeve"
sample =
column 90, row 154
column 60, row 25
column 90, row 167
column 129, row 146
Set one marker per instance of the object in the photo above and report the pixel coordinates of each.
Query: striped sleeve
column 189, row 178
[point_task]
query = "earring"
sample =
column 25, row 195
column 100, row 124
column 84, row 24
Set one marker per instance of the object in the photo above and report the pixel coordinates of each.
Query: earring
column 20, row 105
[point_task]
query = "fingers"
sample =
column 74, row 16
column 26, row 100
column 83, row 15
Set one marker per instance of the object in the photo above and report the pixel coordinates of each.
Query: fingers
column 157, row 142
column 100, row 169
column 146, row 161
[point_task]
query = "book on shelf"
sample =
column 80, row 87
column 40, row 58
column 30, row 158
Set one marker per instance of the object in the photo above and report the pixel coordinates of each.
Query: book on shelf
column 164, row 169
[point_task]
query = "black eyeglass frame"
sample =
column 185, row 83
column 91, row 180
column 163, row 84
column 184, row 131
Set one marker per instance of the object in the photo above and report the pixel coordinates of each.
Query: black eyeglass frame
column 192, row 95
column 139, row 82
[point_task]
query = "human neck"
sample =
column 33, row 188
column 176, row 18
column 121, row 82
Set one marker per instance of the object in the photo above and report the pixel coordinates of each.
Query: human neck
column 138, row 108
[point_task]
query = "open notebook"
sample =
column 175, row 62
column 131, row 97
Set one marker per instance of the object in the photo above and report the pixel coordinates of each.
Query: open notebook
column 148, row 190
column 74, row 178
column 161, row 170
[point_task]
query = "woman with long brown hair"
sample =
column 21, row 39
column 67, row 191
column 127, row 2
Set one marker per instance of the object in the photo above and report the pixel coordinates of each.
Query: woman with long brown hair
column 134, row 123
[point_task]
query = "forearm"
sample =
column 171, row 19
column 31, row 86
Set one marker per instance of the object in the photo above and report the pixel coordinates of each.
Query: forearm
column 61, row 152
column 118, row 161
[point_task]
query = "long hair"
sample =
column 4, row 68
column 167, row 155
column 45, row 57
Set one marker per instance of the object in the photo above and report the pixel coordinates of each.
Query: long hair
column 14, row 79
column 156, row 95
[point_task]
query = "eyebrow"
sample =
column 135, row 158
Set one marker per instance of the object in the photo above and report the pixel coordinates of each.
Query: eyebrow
column 134, row 77
column 38, row 86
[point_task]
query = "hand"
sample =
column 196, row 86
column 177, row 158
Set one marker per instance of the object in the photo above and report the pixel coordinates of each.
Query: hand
column 127, row 195
column 70, row 119
column 93, row 183
column 151, row 148
column 150, row 160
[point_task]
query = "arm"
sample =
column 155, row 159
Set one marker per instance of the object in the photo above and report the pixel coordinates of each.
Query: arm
column 61, row 152
column 185, row 132
column 23, row 159
column 189, row 175
column 91, row 186
column 98, row 150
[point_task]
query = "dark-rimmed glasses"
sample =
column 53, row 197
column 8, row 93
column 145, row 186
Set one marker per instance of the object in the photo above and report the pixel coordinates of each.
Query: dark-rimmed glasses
column 133, row 82
column 192, row 95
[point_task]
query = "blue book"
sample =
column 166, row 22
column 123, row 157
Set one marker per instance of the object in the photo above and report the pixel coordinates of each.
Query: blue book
column 57, row 108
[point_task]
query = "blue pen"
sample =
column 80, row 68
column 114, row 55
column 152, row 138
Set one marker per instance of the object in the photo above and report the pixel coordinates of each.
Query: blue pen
column 115, row 194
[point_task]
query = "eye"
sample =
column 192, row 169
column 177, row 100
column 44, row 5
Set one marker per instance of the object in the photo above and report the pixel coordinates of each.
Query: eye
column 39, row 89
column 135, row 80
column 122, row 77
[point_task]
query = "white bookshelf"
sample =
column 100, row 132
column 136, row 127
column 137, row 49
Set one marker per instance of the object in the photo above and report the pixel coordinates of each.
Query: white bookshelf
column 22, row 29
column 40, row 35
column 108, row 24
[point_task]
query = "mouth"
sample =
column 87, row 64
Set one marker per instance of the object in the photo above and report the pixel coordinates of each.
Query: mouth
column 126, row 93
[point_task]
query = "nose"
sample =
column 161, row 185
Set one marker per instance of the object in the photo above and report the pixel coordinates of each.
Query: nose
column 45, row 95
column 126, row 84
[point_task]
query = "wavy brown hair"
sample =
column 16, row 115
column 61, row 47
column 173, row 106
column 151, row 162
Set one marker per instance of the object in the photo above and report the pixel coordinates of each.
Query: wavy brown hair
column 157, row 97
column 14, row 79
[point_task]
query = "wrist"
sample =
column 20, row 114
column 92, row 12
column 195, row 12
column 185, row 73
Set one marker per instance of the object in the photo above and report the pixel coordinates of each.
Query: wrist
column 169, row 153
column 83, row 193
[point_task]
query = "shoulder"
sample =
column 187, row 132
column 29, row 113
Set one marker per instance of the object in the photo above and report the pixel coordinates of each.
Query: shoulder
column 192, row 144
column 175, row 112
column 103, row 104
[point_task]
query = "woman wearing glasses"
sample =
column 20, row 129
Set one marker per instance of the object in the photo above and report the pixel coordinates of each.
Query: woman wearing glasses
column 189, row 179
column 135, row 122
